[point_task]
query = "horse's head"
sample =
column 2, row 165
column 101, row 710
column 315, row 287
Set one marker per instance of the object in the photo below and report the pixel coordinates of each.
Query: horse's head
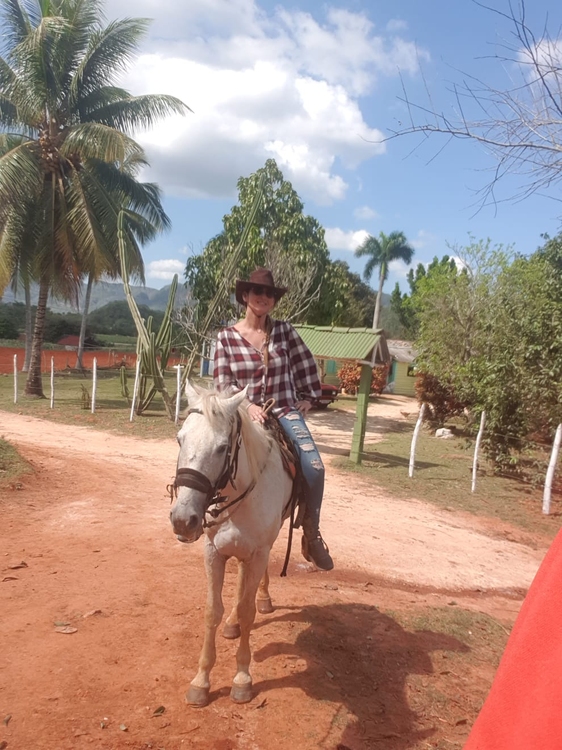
column 205, row 441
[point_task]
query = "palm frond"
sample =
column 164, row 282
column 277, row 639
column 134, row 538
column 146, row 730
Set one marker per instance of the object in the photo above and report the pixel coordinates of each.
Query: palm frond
column 139, row 225
column 134, row 163
column 55, row 257
column 94, row 218
column 97, row 243
column 92, row 140
column 7, row 76
column 15, row 22
column 8, row 113
column 97, row 99
column 109, row 53
column 138, row 112
column 10, row 234
column 141, row 197
column 38, row 67
column 82, row 20
column 20, row 174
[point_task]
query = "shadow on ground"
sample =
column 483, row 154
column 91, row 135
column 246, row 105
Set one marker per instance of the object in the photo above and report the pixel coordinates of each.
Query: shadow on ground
column 360, row 658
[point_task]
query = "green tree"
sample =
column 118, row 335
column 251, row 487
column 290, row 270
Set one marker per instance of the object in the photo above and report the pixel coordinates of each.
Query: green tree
column 452, row 307
column 345, row 300
column 281, row 237
column 380, row 252
column 65, row 148
column 8, row 328
column 402, row 304
column 517, row 373
column 492, row 333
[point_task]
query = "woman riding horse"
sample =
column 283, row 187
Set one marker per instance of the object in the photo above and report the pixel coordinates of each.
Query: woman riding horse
column 269, row 358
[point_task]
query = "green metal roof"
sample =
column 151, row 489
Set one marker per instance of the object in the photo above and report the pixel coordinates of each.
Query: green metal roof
column 330, row 342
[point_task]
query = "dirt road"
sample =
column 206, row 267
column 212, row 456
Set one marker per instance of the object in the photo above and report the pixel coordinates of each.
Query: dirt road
column 86, row 546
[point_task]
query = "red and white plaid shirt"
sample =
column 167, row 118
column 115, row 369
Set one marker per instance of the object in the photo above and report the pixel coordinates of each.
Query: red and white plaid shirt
column 292, row 373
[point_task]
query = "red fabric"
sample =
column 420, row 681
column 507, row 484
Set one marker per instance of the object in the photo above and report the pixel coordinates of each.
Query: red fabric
column 523, row 710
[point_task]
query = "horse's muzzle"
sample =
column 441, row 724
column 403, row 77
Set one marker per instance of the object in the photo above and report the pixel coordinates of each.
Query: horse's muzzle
column 186, row 529
column 183, row 539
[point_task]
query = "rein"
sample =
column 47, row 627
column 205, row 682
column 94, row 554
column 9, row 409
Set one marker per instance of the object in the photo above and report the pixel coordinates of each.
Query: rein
column 196, row 480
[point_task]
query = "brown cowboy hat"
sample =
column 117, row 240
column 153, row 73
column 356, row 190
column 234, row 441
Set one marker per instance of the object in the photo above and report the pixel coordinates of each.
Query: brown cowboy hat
column 258, row 277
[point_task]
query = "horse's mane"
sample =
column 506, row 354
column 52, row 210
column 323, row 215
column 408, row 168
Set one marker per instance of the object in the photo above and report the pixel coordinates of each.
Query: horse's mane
column 256, row 440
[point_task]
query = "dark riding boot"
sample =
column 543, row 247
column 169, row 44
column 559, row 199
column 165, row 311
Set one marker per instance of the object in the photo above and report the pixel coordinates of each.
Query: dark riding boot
column 314, row 548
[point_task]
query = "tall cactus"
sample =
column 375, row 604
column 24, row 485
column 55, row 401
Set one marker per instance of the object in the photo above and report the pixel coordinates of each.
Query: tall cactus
column 150, row 345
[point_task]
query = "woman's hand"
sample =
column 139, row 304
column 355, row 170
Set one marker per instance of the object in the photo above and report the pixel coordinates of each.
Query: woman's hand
column 304, row 407
column 256, row 413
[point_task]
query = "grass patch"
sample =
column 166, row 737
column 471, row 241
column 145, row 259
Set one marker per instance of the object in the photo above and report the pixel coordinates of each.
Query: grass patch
column 72, row 391
column 116, row 339
column 12, row 465
column 443, row 476
column 469, row 627
column 465, row 648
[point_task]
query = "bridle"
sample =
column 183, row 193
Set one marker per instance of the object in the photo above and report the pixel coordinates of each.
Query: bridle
column 195, row 480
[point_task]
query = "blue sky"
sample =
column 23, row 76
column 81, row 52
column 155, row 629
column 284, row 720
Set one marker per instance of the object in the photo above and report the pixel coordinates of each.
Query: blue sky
column 315, row 86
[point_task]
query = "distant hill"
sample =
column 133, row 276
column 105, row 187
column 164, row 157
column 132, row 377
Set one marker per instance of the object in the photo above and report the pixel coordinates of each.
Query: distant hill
column 105, row 292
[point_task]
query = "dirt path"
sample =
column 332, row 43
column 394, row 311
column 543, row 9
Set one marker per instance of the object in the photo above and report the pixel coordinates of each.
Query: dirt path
column 90, row 529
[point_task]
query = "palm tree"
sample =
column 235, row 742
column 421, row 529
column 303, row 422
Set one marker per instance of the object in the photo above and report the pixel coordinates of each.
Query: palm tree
column 65, row 143
column 380, row 251
column 110, row 267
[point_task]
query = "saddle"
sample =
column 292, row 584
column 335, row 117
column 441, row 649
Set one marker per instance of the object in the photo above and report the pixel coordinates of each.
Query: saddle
column 292, row 465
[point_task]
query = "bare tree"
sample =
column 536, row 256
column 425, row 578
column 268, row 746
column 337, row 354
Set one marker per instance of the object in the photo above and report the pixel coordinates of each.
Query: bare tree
column 520, row 125
column 302, row 285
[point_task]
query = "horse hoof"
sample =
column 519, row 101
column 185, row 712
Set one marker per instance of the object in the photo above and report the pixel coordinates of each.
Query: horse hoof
column 231, row 631
column 265, row 607
column 242, row 693
column 197, row 696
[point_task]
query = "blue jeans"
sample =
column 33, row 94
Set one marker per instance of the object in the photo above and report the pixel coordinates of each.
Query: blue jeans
column 297, row 432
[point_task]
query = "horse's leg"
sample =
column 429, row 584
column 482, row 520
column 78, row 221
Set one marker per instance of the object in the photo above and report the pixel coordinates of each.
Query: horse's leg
column 231, row 628
column 251, row 572
column 198, row 694
column 265, row 607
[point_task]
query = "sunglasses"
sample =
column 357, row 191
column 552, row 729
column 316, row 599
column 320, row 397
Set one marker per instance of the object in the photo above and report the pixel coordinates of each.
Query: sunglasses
column 259, row 290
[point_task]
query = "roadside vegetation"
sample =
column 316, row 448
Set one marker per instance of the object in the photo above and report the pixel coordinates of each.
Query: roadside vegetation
column 73, row 394
column 487, row 324
column 12, row 465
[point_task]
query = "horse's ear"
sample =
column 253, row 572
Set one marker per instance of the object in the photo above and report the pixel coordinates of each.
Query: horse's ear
column 235, row 400
column 193, row 391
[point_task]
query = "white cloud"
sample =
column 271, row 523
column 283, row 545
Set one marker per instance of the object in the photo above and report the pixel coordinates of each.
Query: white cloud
column 422, row 240
column 398, row 268
column 283, row 84
column 365, row 213
column 164, row 269
column 338, row 239
column 396, row 24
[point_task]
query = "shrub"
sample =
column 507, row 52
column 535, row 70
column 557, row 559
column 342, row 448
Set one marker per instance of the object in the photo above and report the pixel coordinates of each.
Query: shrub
column 442, row 403
column 8, row 329
column 350, row 377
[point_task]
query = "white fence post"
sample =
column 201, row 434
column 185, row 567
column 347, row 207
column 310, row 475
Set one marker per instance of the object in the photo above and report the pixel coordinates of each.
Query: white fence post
column 15, row 378
column 52, row 382
column 477, row 449
column 94, row 383
column 178, row 369
column 550, row 470
column 417, row 429
column 135, row 388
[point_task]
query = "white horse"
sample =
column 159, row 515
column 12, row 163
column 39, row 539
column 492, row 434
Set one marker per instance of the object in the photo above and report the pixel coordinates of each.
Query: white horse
column 230, row 484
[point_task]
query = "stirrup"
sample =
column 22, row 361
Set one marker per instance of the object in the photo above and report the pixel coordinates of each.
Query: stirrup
column 316, row 551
